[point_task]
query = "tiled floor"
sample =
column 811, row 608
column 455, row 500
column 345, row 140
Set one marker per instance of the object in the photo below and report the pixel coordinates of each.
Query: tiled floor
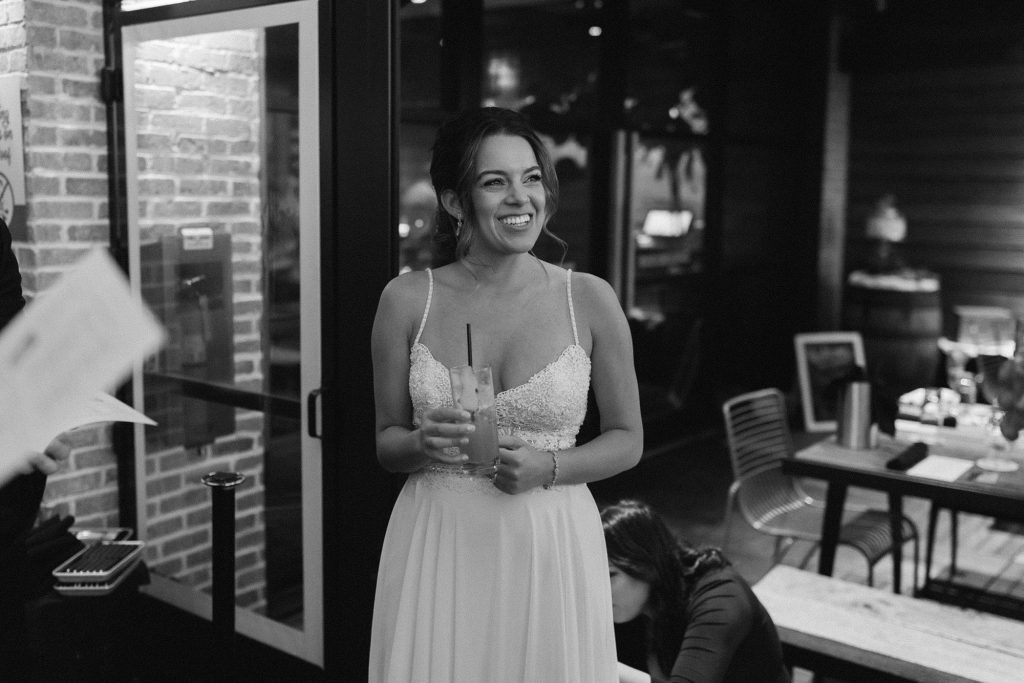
column 689, row 487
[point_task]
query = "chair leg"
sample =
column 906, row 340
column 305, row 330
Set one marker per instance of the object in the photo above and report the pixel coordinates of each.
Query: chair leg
column 808, row 556
column 912, row 534
column 781, row 546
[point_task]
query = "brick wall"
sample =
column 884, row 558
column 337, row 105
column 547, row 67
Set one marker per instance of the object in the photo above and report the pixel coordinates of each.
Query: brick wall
column 199, row 163
column 58, row 46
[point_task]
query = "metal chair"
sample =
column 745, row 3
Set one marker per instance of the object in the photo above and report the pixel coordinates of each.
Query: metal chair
column 774, row 503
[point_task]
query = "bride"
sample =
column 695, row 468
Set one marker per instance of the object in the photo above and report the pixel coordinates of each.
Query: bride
column 500, row 575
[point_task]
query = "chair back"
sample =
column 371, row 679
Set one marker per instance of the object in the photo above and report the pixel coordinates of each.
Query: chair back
column 759, row 439
column 757, row 431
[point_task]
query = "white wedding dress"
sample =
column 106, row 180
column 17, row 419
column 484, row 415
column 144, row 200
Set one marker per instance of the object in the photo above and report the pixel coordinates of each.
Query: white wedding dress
column 479, row 586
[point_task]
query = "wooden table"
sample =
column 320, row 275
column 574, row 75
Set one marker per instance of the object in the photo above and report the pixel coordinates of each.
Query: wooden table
column 844, row 629
column 842, row 467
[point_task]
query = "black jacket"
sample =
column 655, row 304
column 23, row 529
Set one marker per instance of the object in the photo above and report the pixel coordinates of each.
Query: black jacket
column 19, row 498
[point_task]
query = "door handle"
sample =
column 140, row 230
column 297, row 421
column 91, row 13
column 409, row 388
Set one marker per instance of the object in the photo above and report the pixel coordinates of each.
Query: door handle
column 312, row 409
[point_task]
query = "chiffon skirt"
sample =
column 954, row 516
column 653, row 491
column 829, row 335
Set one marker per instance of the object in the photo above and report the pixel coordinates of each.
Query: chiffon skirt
column 479, row 586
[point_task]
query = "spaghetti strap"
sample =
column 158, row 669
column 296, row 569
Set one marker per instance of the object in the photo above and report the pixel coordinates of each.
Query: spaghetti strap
column 572, row 311
column 426, row 309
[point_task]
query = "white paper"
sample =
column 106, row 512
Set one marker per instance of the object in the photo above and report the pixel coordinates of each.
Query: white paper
column 941, row 467
column 101, row 407
column 81, row 336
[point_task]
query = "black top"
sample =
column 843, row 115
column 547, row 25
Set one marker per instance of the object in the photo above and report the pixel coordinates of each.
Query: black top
column 11, row 300
column 19, row 499
column 729, row 637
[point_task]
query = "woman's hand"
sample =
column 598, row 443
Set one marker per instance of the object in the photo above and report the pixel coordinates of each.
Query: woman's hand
column 443, row 428
column 628, row 674
column 520, row 467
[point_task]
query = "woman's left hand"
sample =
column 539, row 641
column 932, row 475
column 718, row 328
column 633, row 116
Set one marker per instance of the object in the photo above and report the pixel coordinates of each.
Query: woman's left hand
column 520, row 466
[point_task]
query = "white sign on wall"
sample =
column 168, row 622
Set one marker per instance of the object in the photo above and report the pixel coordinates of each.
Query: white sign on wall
column 12, row 156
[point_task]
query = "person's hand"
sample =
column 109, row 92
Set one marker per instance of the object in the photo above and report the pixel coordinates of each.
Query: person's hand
column 520, row 467
column 49, row 460
column 443, row 428
column 628, row 674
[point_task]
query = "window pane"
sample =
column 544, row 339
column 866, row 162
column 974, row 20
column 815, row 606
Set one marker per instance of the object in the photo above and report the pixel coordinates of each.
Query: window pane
column 520, row 45
column 669, row 67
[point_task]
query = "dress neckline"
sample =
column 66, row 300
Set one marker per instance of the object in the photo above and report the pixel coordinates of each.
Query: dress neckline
column 532, row 379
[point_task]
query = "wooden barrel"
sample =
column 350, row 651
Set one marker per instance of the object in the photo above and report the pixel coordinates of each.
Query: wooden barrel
column 901, row 331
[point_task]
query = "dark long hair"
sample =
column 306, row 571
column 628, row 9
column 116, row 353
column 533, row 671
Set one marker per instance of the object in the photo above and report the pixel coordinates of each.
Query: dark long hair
column 641, row 545
column 452, row 168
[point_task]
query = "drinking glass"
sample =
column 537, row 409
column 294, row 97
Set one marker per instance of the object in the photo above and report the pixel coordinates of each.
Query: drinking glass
column 473, row 390
column 998, row 458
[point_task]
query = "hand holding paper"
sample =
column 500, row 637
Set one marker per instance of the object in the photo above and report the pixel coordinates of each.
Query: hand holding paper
column 101, row 407
column 79, row 338
column 49, row 460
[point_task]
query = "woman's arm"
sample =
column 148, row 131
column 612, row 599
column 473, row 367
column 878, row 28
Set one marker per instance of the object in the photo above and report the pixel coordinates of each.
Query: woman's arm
column 720, row 617
column 400, row 446
column 613, row 378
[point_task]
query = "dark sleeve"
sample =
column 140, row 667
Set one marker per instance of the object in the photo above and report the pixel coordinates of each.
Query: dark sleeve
column 19, row 498
column 718, row 620
column 11, row 299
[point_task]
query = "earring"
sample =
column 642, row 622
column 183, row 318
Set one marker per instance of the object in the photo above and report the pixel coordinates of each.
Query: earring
column 458, row 227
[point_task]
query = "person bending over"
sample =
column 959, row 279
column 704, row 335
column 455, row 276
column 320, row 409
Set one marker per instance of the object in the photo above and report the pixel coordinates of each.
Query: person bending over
column 702, row 621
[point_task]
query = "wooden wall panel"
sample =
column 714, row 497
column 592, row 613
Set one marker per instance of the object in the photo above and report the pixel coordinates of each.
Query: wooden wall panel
column 949, row 143
column 774, row 122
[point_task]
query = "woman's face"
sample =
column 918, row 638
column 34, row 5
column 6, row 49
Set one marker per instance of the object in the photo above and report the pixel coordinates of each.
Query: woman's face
column 629, row 595
column 508, row 197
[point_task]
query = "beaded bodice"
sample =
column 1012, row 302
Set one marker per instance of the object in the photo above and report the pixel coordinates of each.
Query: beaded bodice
column 546, row 411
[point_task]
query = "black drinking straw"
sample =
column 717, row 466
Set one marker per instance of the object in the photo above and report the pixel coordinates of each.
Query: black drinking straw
column 469, row 345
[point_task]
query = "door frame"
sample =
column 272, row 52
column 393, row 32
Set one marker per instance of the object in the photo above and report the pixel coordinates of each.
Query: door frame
column 359, row 255
column 360, row 218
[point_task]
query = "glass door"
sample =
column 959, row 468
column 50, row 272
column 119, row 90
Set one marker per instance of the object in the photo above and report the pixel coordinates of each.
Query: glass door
column 222, row 134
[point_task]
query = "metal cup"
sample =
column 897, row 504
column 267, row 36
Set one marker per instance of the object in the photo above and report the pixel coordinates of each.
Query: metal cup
column 854, row 417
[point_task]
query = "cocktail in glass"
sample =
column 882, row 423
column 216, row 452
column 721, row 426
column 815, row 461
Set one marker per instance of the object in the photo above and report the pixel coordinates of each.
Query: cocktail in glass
column 473, row 390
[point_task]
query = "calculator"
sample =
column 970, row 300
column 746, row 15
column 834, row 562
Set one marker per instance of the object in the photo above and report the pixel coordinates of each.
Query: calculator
column 99, row 563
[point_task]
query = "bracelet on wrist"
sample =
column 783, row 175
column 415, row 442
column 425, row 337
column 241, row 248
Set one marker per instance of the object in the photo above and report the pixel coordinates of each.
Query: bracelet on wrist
column 554, row 470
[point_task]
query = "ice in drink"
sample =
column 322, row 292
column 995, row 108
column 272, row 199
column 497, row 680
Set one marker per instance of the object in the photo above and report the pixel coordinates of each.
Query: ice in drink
column 473, row 390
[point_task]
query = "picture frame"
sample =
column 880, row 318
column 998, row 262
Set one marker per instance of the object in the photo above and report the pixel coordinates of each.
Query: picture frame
column 822, row 358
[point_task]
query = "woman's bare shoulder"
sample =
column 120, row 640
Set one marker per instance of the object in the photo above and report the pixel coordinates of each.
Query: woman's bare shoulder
column 407, row 285
column 405, row 295
column 594, row 294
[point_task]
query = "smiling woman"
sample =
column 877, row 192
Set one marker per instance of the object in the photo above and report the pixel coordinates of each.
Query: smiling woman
column 498, row 572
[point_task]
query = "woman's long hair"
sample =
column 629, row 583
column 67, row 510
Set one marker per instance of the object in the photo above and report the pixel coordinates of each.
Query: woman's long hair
column 452, row 168
column 641, row 545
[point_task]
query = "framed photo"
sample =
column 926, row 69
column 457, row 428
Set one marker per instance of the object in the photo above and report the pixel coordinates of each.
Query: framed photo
column 822, row 358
